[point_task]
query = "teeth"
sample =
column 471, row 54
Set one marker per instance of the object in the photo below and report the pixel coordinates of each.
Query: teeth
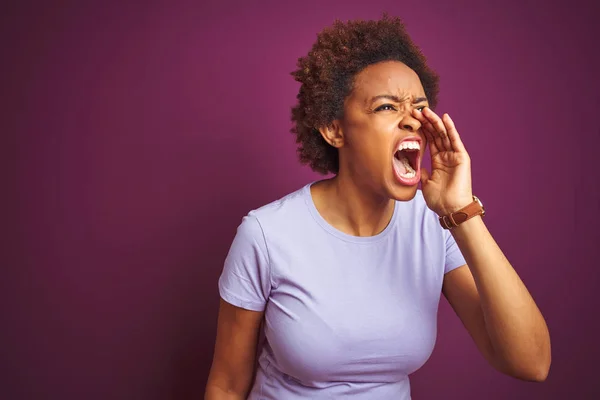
column 408, row 145
column 412, row 145
column 409, row 175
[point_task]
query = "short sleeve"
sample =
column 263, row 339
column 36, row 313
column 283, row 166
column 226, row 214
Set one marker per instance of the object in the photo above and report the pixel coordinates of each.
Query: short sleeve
column 245, row 280
column 454, row 257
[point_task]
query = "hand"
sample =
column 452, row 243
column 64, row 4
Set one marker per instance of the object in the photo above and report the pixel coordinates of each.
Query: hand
column 448, row 187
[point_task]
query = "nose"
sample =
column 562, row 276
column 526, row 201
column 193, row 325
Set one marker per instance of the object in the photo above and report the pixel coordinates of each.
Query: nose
column 410, row 123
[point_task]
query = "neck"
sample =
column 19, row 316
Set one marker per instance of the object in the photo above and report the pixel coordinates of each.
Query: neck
column 352, row 208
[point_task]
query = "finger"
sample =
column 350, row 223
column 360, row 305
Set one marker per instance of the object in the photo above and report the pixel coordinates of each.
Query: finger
column 440, row 133
column 428, row 130
column 457, row 144
column 433, row 136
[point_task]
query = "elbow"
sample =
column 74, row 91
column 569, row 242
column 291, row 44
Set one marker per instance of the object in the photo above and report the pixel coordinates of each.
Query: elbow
column 540, row 368
column 537, row 374
column 543, row 368
column 541, row 375
column 532, row 371
column 526, row 367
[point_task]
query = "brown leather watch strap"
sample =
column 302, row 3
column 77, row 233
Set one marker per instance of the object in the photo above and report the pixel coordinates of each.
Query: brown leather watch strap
column 458, row 217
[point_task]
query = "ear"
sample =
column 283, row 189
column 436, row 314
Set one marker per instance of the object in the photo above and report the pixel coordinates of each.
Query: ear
column 333, row 134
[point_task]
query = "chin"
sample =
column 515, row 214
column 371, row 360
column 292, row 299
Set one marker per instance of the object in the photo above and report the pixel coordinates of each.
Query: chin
column 403, row 189
column 402, row 192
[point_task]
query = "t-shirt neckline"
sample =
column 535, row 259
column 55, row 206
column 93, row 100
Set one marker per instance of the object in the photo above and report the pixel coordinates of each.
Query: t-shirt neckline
column 342, row 235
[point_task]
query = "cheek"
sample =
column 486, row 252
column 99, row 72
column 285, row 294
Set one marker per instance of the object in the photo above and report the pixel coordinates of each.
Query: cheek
column 369, row 140
column 374, row 152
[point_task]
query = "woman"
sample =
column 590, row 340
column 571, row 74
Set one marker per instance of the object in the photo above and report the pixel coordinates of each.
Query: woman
column 346, row 273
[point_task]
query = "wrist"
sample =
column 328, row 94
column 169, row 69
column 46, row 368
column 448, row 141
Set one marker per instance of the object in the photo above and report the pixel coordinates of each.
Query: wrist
column 468, row 225
column 455, row 206
column 473, row 228
column 453, row 219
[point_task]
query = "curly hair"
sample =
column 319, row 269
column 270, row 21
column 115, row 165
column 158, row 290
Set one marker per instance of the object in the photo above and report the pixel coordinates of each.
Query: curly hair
column 327, row 76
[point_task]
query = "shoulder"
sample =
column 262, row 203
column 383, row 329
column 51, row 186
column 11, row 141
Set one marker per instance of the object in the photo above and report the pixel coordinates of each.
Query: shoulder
column 278, row 214
column 260, row 227
column 287, row 206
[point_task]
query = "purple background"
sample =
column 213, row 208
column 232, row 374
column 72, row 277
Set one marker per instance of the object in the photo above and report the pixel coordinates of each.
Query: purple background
column 136, row 137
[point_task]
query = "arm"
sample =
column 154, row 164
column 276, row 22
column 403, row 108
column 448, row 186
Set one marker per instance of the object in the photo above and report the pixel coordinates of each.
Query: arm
column 232, row 369
column 488, row 295
column 495, row 306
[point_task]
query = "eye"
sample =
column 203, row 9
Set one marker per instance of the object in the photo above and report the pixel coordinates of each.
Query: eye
column 385, row 107
column 420, row 108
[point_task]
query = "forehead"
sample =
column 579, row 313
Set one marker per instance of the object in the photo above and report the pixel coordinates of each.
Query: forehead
column 390, row 77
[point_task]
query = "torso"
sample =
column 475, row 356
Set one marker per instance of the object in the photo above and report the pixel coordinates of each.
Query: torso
column 347, row 316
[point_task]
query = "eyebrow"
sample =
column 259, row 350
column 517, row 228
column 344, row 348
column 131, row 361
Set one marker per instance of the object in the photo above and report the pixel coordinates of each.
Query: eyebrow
column 397, row 99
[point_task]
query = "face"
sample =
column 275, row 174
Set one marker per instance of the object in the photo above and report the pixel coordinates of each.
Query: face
column 380, row 143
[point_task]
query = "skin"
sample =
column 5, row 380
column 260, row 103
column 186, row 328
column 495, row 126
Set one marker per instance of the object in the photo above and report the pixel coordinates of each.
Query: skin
column 487, row 294
column 359, row 199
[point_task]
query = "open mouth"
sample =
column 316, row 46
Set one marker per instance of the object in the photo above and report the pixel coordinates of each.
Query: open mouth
column 406, row 159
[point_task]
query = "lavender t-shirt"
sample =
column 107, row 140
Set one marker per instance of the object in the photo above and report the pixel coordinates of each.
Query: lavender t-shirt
column 345, row 317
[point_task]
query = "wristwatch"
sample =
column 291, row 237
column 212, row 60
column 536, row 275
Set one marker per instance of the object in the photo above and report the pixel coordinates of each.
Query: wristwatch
column 458, row 217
